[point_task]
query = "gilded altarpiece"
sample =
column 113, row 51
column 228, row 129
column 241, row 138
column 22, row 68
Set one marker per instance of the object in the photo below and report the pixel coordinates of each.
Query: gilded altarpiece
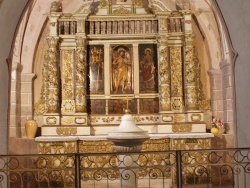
column 116, row 58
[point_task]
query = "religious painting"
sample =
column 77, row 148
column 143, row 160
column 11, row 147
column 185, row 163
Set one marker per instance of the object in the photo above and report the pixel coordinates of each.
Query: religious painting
column 148, row 68
column 96, row 69
column 96, row 106
column 118, row 106
column 121, row 69
column 148, row 106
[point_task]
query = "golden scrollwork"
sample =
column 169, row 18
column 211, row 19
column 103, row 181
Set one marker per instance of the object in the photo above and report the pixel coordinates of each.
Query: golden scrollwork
column 97, row 146
column 189, row 39
column 66, row 130
column 202, row 102
column 68, row 120
column 40, row 108
column 191, row 97
column 147, row 118
column 167, row 118
column 121, row 11
column 191, row 143
column 164, row 96
column 196, row 117
column 164, row 79
column 67, row 75
column 156, row 145
column 51, row 120
column 108, row 119
column 80, row 120
column 191, row 77
column 52, row 72
column 68, row 106
column 177, row 103
column 164, row 67
column 178, row 117
column 181, row 128
column 80, row 75
column 189, row 66
column 57, row 147
column 176, row 71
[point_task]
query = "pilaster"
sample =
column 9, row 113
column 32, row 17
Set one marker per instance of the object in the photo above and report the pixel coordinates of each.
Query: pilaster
column 26, row 98
column 216, row 93
column 15, row 101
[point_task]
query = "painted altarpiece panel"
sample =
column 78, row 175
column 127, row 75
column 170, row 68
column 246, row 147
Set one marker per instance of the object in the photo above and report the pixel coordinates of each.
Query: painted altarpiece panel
column 148, row 68
column 148, row 106
column 118, row 106
column 96, row 69
column 121, row 69
column 96, row 106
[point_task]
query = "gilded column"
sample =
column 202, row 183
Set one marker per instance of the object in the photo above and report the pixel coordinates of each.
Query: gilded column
column 163, row 64
column 67, row 79
column 164, row 76
column 80, row 75
column 52, row 102
column 176, row 78
column 41, row 106
column 190, row 75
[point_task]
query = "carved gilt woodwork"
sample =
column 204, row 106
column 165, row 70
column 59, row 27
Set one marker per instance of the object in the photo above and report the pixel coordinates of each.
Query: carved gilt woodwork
column 117, row 51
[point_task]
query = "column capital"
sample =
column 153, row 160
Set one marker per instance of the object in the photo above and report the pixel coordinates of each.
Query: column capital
column 28, row 77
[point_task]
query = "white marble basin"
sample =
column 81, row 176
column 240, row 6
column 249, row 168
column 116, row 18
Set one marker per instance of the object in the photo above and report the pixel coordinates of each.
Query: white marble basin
column 128, row 134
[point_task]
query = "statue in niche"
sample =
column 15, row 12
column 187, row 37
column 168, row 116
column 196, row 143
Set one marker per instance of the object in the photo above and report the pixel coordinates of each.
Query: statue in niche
column 121, row 70
column 96, row 69
column 147, row 69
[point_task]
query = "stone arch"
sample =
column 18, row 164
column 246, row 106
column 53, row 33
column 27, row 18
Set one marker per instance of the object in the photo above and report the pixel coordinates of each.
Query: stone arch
column 218, row 66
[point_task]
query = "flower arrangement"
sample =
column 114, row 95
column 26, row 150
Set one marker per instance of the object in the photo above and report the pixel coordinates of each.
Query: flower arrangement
column 218, row 123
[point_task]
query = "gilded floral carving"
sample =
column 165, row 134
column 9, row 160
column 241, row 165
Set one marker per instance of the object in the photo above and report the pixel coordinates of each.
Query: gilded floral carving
column 51, row 120
column 176, row 71
column 52, row 73
column 80, row 75
column 164, row 78
column 67, row 74
column 181, row 128
column 66, row 130
column 121, row 10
